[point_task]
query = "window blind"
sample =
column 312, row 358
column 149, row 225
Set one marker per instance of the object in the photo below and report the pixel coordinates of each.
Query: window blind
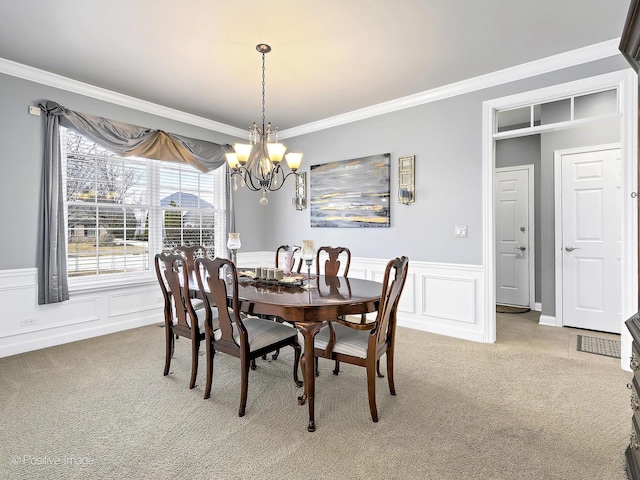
column 120, row 211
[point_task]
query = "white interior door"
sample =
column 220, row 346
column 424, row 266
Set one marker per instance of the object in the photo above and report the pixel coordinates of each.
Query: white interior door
column 591, row 239
column 512, row 211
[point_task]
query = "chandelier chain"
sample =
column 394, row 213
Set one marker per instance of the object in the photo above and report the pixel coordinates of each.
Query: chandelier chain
column 263, row 90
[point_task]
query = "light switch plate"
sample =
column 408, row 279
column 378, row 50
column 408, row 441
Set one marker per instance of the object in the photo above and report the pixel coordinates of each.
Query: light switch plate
column 461, row 231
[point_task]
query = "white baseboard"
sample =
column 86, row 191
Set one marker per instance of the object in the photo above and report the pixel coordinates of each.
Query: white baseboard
column 22, row 345
column 537, row 307
column 547, row 320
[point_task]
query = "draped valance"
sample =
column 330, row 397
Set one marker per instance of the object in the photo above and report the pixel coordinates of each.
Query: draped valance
column 130, row 140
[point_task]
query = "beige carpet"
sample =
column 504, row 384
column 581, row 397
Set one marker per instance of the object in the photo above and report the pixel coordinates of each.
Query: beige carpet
column 101, row 409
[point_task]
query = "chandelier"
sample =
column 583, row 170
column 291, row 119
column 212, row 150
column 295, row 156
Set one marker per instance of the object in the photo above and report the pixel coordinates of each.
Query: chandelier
column 259, row 168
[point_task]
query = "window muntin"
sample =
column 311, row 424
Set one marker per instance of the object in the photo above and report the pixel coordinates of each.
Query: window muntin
column 121, row 211
column 578, row 107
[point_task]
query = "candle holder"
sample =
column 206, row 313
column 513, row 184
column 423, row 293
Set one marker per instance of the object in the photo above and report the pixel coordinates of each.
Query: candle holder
column 233, row 244
column 308, row 254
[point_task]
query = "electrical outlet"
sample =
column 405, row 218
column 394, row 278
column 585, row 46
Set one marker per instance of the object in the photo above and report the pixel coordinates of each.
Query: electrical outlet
column 34, row 110
column 27, row 322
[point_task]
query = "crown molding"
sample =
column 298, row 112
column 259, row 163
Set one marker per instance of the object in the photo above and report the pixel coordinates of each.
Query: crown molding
column 571, row 58
column 64, row 83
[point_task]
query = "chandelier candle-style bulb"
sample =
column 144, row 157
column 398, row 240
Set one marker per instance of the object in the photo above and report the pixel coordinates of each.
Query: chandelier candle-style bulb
column 293, row 160
column 243, row 151
column 276, row 151
column 232, row 160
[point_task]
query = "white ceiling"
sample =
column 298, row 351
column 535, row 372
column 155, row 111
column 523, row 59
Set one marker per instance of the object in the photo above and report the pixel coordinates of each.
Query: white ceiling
column 329, row 57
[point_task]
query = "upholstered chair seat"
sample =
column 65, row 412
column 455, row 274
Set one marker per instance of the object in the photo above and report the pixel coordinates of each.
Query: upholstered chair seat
column 348, row 341
column 261, row 332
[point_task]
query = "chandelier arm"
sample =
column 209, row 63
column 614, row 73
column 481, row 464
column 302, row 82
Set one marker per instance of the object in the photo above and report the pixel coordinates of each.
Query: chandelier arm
column 284, row 177
column 277, row 174
column 245, row 175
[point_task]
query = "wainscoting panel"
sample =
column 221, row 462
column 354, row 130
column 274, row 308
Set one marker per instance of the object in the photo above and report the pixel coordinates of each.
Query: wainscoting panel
column 438, row 294
column 444, row 299
column 440, row 298
column 133, row 302
column 88, row 313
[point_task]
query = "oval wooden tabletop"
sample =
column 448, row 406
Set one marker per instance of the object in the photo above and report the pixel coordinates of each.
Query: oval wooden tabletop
column 332, row 297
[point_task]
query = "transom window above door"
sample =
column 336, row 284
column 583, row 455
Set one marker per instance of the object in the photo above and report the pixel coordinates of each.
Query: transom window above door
column 579, row 107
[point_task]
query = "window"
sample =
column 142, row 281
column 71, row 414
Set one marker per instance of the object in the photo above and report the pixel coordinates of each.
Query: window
column 580, row 107
column 121, row 211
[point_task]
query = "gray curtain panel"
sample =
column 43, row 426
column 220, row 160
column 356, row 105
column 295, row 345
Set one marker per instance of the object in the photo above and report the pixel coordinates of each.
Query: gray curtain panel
column 125, row 140
column 52, row 255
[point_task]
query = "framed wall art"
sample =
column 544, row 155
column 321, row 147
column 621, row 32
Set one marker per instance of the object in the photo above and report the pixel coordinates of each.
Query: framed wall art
column 351, row 193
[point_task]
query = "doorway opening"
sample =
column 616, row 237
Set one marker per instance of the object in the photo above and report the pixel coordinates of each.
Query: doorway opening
column 625, row 84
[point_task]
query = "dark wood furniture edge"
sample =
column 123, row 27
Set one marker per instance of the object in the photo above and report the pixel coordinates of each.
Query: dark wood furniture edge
column 630, row 49
column 633, row 325
column 631, row 455
column 630, row 38
column 633, row 471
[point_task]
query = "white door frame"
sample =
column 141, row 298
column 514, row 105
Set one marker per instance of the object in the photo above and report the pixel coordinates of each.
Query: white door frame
column 557, row 192
column 626, row 81
column 531, row 227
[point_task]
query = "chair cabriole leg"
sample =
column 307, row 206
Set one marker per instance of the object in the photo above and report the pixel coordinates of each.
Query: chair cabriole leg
column 195, row 347
column 244, row 385
column 169, row 351
column 296, row 362
column 371, row 385
column 392, row 386
column 210, row 354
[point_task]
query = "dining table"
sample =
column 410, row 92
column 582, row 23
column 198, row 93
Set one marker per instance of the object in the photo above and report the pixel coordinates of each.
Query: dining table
column 308, row 309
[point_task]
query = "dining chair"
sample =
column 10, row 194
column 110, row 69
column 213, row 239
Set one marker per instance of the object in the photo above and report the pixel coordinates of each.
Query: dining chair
column 288, row 266
column 245, row 337
column 190, row 253
column 181, row 317
column 286, row 249
column 329, row 261
column 364, row 344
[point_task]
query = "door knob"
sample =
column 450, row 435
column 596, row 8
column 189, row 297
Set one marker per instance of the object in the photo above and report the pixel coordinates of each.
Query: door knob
column 521, row 248
column 571, row 249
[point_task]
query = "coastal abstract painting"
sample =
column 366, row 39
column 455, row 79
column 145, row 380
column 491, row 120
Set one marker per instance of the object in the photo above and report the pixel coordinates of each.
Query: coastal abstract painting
column 351, row 193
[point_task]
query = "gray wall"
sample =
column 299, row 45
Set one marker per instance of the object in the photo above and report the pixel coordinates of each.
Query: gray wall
column 526, row 151
column 446, row 138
